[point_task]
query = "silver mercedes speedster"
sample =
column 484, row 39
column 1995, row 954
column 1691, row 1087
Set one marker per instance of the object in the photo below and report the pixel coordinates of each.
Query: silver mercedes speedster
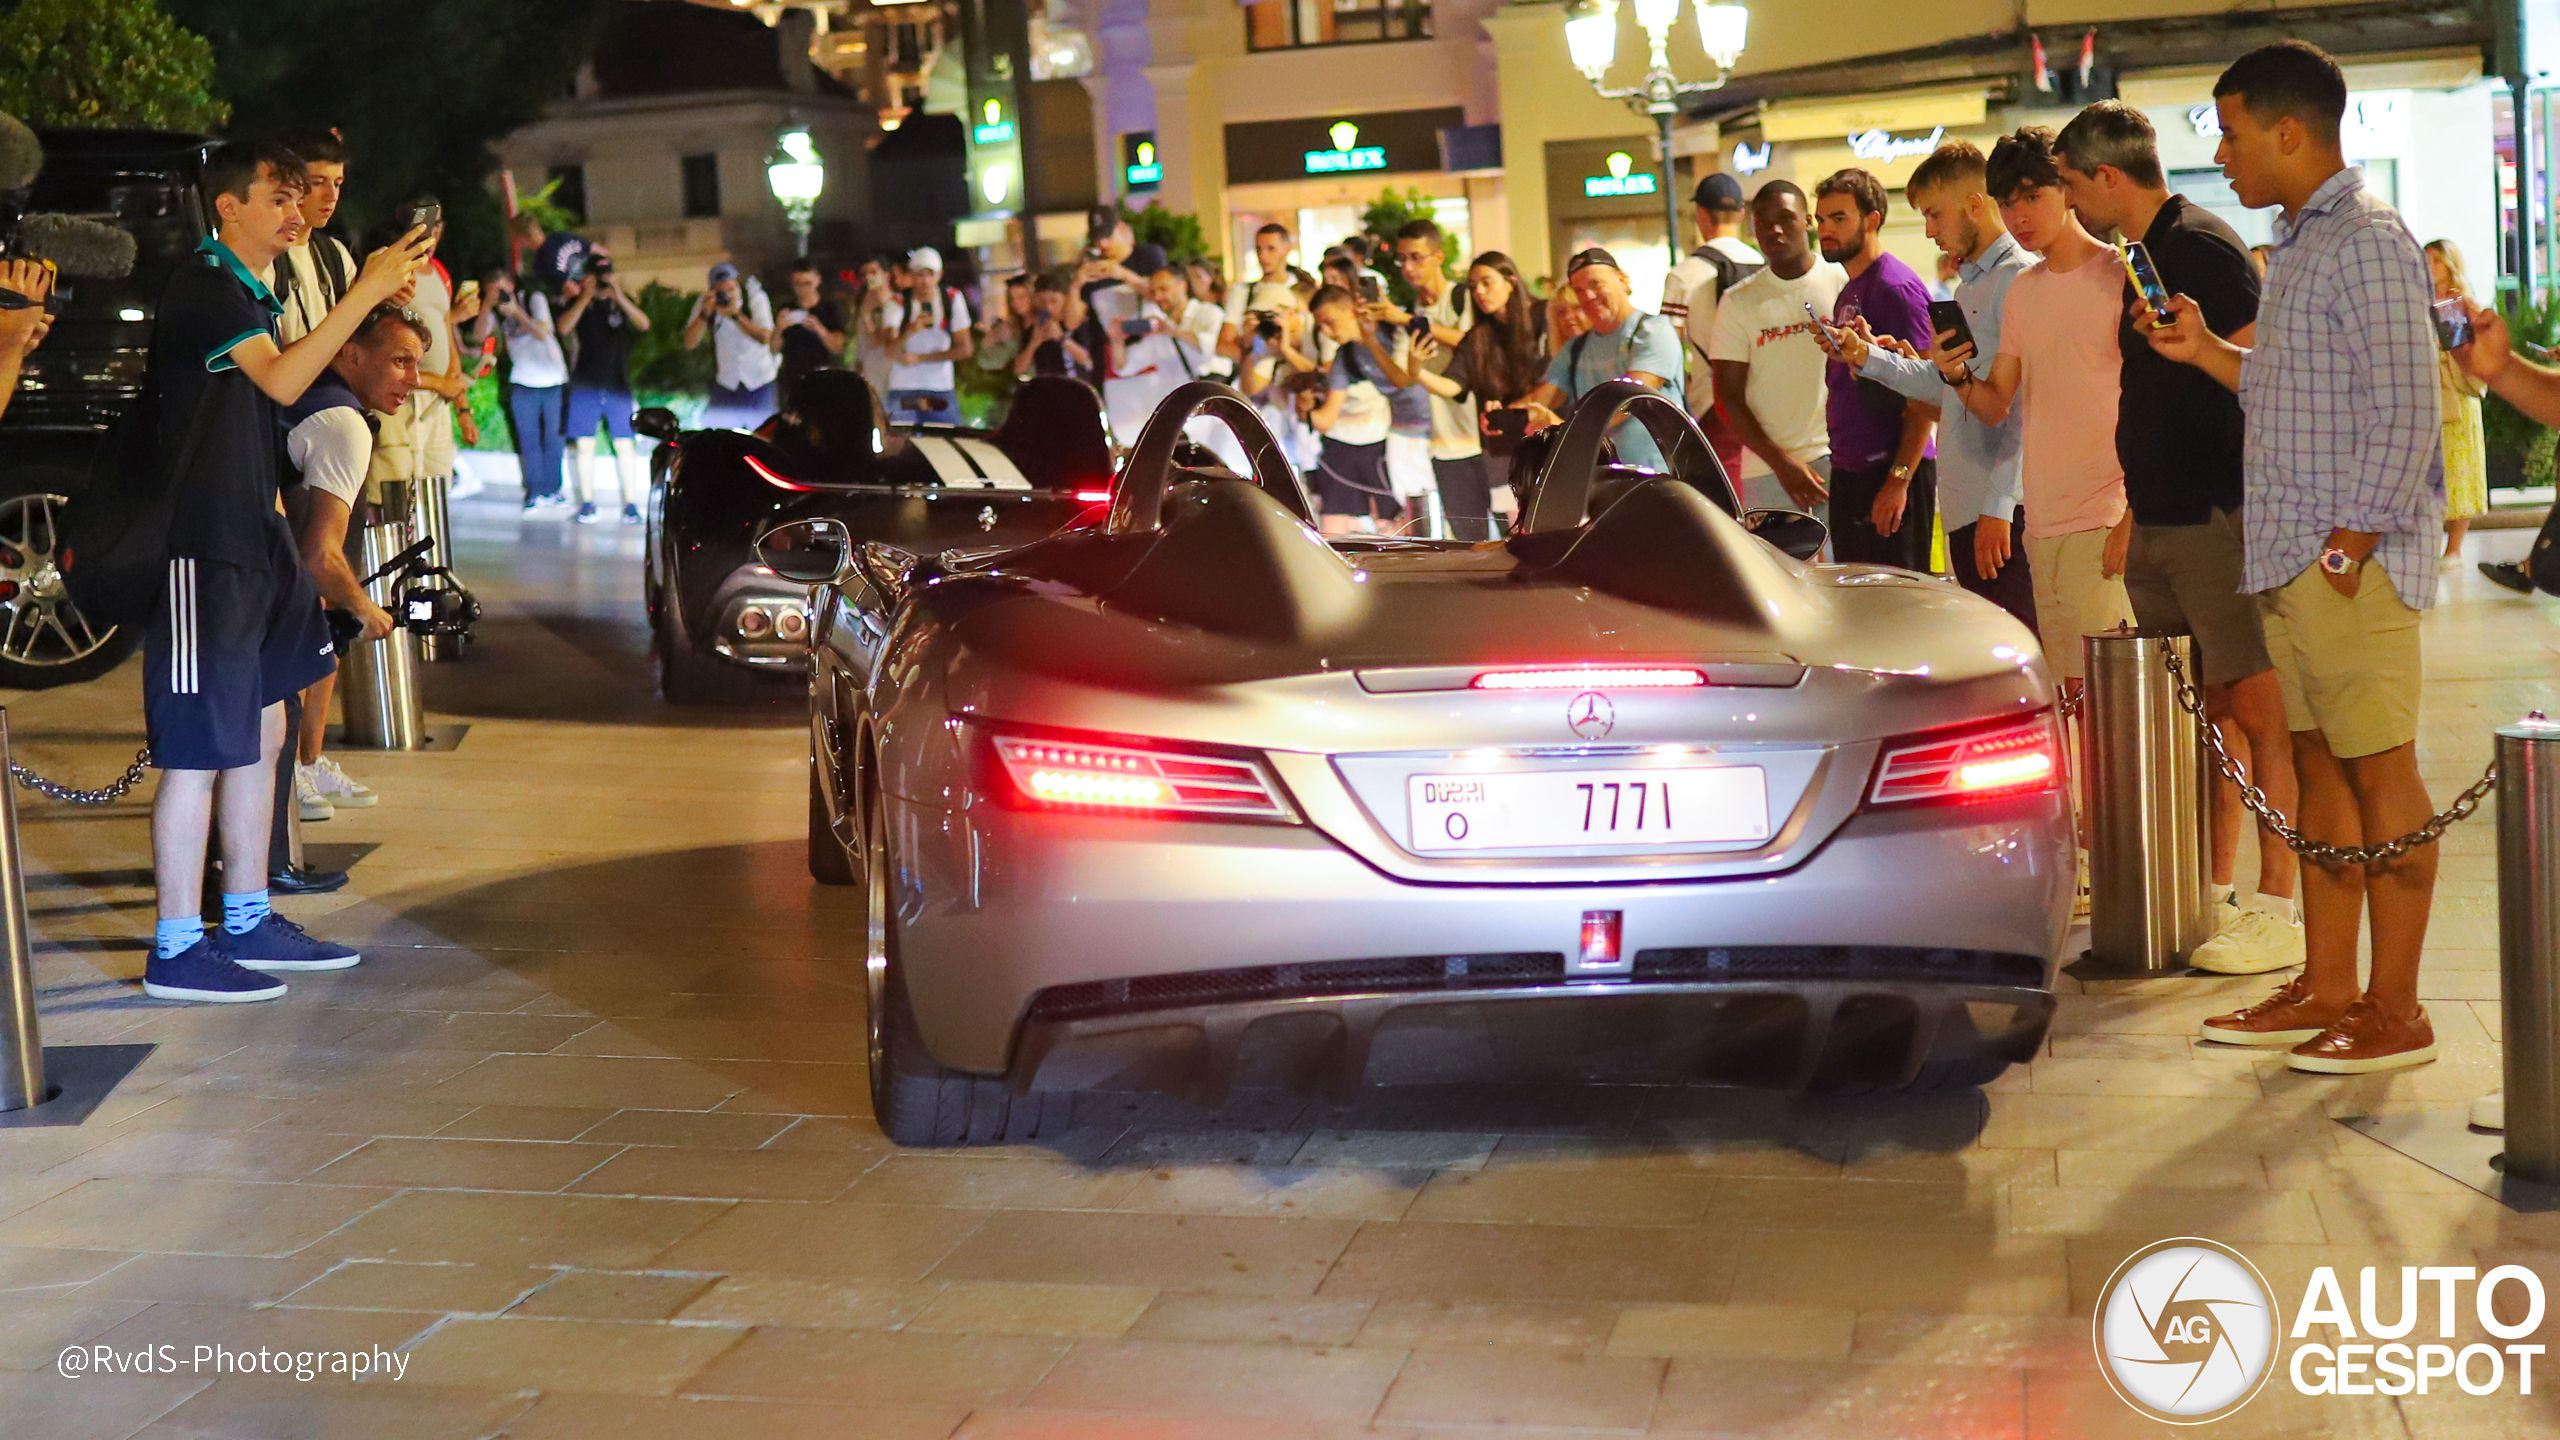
column 1190, row 796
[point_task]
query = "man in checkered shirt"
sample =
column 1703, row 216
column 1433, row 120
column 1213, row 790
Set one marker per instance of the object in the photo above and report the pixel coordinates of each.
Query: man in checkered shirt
column 2345, row 479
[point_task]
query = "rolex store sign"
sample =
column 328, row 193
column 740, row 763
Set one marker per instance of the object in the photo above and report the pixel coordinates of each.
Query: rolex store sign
column 1623, row 178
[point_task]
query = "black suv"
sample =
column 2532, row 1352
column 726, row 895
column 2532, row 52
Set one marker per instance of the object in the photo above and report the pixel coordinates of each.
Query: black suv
column 83, row 376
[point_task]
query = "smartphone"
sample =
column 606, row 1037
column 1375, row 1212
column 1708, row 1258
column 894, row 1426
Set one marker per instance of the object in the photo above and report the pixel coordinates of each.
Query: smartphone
column 1947, row 317
column 2146, row 280
column 2453, row 323
column 1369, row 294
column 1137, row 329
column 425, row 217
column 1821, row 331
column 468, row 292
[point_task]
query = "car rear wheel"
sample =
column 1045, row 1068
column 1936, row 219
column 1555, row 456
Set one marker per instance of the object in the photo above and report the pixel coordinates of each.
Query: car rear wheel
column 688, row 678
column 829, row 863
column 44, row 639
column 915, row 1099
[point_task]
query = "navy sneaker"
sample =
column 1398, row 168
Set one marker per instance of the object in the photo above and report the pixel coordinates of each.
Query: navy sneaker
column 201, row 972
column 279, row 944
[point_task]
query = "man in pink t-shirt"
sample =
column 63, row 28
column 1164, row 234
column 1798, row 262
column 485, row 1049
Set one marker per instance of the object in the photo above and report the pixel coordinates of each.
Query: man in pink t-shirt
column 2059, row 363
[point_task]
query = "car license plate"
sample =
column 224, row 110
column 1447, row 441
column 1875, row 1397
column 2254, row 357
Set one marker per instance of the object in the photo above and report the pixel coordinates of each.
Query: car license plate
column 1563, row 809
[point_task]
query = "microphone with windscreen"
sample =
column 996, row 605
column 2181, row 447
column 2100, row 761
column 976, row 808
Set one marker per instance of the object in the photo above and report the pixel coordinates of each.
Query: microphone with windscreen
column 83, row 249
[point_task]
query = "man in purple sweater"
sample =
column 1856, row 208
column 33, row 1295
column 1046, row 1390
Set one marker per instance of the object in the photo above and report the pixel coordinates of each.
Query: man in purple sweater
column 1884, row 484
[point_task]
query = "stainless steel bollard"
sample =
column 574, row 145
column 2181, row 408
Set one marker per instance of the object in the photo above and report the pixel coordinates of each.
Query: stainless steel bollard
column 2148, row 798
column 2529, row 942
column 380, row 679
column 431, row 516
column 22, row 1082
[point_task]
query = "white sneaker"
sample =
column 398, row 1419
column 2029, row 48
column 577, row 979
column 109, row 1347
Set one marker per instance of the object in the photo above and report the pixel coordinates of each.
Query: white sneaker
column 465, row 485
column 309, row 797
column 2251, row 942
column 2489, row 1112
column 2080, row 892
column 344, row 790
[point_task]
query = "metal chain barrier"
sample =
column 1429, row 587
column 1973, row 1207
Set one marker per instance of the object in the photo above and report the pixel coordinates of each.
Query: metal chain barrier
column 104, row 795
column 2268, row 815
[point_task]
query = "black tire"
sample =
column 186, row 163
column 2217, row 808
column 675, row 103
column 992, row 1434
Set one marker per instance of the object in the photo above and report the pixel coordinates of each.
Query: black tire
column 44, row 640
column 829, row 862
column 915, row 1099
column 687, row 678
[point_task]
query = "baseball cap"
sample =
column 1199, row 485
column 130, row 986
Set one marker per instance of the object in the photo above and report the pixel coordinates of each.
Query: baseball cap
column 1718, row 192
column 1146, row 259
column 1585, row 259
column 723, row 271
column 924, row 257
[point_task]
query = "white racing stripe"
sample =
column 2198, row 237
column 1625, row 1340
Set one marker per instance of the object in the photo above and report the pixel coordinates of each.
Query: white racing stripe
column 950, row 467
column 1001, row 473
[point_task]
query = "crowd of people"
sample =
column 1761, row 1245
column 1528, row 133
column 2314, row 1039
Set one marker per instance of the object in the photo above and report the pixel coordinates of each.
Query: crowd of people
column 2273, row 452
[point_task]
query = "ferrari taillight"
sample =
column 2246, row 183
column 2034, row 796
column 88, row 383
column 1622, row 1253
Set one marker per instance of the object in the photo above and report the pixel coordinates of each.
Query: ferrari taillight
column 1980, row 764
column 1046, row 773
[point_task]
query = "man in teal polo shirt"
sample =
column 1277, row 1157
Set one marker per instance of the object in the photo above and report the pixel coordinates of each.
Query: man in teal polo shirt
column 238, row 628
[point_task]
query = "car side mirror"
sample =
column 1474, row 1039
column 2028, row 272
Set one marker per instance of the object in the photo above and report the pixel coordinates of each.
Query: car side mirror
column 657, row 422
column 811, row 552
column 1791, row 532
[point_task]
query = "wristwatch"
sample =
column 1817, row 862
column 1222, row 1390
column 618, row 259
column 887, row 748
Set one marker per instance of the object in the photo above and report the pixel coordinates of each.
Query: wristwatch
column 2337, row 561
column 1902, row 472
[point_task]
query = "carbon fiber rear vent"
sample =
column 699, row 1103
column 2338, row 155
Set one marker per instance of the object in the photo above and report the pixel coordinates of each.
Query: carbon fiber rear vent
column 1272, row 982
column 1838, row 962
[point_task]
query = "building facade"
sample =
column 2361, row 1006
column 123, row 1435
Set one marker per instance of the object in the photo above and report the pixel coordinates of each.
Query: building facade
column 662, row 146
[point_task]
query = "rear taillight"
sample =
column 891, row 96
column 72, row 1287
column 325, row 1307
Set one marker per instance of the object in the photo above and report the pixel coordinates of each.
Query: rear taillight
column 1048, row 773
column 1094, row 497
column 2012, row 759
column 1594, row 677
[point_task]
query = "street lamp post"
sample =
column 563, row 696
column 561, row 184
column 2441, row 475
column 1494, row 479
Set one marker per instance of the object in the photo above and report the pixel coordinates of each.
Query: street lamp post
column 1591, row 38
column 797, row 176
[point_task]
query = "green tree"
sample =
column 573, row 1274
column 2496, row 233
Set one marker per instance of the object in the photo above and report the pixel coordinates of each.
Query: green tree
column 105, row 63
column 419, row 90
column 1178, row 231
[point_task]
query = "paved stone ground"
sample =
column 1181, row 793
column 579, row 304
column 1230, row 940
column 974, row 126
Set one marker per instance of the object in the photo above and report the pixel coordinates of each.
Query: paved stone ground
column 585, row 1139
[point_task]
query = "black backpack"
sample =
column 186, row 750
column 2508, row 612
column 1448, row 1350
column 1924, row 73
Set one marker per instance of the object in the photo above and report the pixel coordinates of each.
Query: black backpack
column 115, row 533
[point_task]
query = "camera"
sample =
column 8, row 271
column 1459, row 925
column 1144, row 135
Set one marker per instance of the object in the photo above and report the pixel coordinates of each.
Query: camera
column 1419, row 325
column 1266, row 323
column 431, row 602
column 600, row 266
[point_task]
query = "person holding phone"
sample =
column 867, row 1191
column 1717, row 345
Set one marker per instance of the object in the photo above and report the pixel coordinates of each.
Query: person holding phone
column 1494, row 366
column 932, row 332
column 1770, row 358
column 1979, row 490
column 604, row 320
column 2183, row 483
column 1623, row 343
column 1884, row 480
column 2343, row 529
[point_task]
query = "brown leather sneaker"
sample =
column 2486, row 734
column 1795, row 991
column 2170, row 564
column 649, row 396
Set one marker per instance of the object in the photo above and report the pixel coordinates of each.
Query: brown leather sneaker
column 2285, row 1018
column 2365, row 1040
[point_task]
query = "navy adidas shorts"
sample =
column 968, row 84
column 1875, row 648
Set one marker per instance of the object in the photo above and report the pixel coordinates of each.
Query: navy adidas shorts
column 226, row 642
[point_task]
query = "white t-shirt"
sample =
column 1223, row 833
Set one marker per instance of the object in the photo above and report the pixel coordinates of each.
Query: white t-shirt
column 534, row 357
column 739, row 360
column 1454, row 435
column 1365, row 414
column 934, row 374
column 430, row 418
column 1689, row 297
column 333, row 449
column 1763, row 324
column 308, row 294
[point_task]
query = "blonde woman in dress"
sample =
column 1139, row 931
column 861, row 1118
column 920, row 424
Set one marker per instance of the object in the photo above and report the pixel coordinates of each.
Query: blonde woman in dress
column 2466, row 454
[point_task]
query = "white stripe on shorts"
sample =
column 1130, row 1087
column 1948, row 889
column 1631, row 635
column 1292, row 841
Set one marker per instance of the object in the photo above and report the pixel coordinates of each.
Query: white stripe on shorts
column 183, row 677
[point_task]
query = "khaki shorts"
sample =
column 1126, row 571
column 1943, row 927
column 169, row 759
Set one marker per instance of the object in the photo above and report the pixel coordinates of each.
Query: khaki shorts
column 2349, row 667
column 2072, row 598
column 2185, row 580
